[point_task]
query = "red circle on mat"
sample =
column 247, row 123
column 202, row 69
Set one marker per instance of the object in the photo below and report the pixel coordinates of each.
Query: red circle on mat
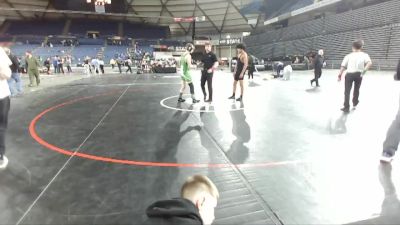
column 40, row 140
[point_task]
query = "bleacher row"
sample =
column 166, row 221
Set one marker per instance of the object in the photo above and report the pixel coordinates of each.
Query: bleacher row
column 78, row 53
column 88, row 47
column 80, row 27
column 335, row 34
column 290, row 6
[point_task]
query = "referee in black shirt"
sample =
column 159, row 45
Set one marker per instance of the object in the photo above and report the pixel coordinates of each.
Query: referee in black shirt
column 210, row 63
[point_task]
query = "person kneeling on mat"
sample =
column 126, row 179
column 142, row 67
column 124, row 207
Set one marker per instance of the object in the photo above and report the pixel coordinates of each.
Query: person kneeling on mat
column 199, row 197
column 186, row 64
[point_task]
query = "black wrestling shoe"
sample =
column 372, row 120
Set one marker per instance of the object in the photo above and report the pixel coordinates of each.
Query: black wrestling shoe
column 181, row 100
column 345, row 110
column 232, row 97
column 195, row 101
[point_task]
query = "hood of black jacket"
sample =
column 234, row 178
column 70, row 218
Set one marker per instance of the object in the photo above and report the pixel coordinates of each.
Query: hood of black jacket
column 178, row 208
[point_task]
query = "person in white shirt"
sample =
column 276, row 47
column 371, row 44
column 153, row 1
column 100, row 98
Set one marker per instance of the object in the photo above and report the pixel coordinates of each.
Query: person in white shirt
column 5, row 74
column 96, row 65
column 357, row 64
column 112, row 63
column 287, row 72
column 101, row 65
column 128, row 63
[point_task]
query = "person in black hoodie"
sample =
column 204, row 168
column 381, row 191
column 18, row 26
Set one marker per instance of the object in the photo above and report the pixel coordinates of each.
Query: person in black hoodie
column 318, row 64
column 196, row 206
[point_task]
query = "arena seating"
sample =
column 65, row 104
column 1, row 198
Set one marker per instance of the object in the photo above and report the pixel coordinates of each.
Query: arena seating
column 82, row 51
column 111, row 51
column 20, row 49
column 45, row 52
column 145, row 31
column 290, row 6
column 35, row 27
column 81, row 27
column 335, row 34
column 103, row 27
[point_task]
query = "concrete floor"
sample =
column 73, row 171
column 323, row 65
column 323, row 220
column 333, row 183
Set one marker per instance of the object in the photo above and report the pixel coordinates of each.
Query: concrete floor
column 100, row 150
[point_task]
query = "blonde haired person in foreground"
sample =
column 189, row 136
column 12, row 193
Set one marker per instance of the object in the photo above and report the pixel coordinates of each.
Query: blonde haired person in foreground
column 198, row 200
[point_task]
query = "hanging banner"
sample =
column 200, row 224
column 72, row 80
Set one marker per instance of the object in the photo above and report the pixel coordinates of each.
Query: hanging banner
column 232, row 41
column 183, row 20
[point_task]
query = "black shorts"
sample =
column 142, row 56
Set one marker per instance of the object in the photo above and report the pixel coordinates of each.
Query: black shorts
column 237, row 77
column 204, row 73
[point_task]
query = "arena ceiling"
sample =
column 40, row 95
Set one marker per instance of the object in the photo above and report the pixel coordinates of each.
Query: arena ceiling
column 221, row 16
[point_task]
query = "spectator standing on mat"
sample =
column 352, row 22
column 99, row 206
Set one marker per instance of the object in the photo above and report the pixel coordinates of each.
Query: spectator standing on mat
column 112, row 63
column 318, row 64
column 60, row 63
column 55, row 64
column 186, row 64
column 287, row 72
column 95, row 65
column 47, row 65
column 251, row 68
column 392, row 140
column 86, row 64
column 307, row 62
column 15, row 82
column 357, row 64
column 5, row 74
column 128, row 63
column 240, row 70
column 210, row 64
column 120, row 63
column 199, row 197
column 68, row 62
column 101, row 64
column 279, row 68
column 32, row 68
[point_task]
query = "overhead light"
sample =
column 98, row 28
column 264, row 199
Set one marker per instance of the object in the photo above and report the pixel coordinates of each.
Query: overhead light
column 88, row 1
